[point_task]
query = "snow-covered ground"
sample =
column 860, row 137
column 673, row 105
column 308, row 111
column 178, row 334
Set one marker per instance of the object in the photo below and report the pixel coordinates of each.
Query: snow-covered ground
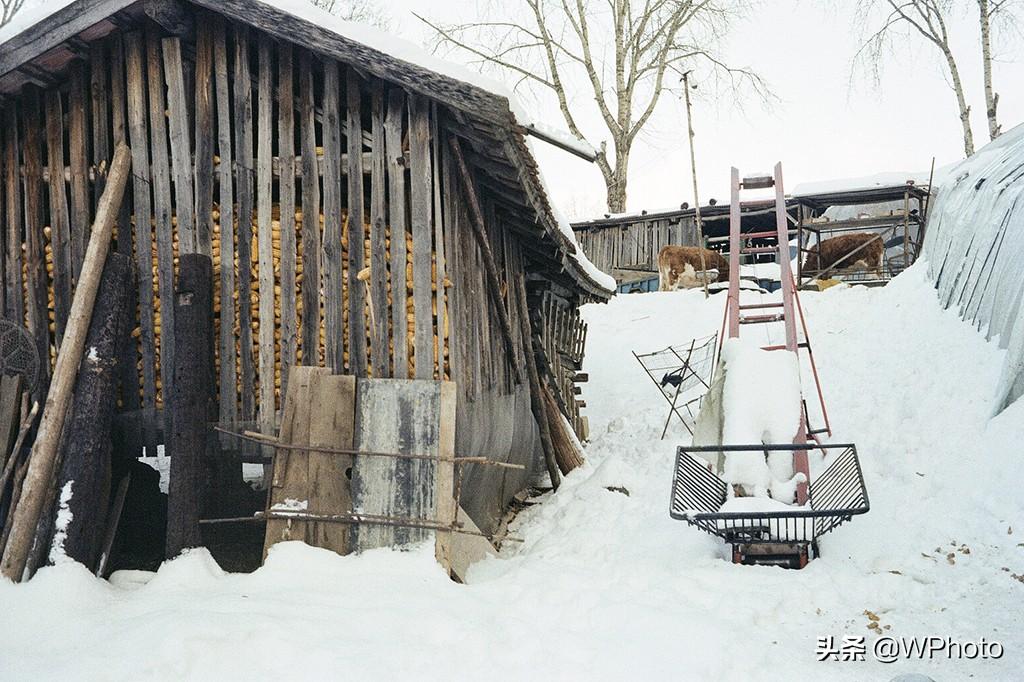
column 605, row 585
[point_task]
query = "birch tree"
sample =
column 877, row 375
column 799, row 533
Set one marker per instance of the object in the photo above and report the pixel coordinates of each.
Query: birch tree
column 8, row 8
column 618, row 57
column 929, row 19
column 985, row 11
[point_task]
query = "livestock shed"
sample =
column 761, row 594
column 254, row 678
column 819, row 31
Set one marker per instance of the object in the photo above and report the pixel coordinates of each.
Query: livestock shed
column 366, row 208
column 626, row 246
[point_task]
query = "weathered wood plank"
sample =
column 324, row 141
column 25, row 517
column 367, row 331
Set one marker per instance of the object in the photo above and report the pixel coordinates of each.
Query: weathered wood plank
column 408, row 417
column 310, row 213
column 181, row 146
column 439, row 242
column 421, row 198
column 356, row 327
column 264, row 236
column 78, row 153
column 290, row 480
column 204, row 133
column 393, row 128
column 60, row 228
column 286, row 192
column 228, row 370
column 138, row 131
column 14, row 304
column 36, row 301
column 119, row 134
column 332, row 250
column 160, row 179
column 101, row 97
column 244, row 179
column 379, row 355
column 332, row 425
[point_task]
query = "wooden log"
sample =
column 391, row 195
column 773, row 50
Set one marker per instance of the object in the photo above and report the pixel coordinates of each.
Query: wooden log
column 439, row 242
column 491, row 272
column 244, row 178
column 36, row 301
column 60, row 229
column 87, row 445
column 379, row 357
column 421, row 217
column 78, row 152
column 191, row 402
column 356, row 327
column 181, row 146
column 311, row 213
column 537, row 404
column 44, row 451
column 138, row 130
column 14, row 304
column 396, row 213
column 286, row 192
column 265, row 238
column 204, row 134
column 228, row 389
column 332, row 252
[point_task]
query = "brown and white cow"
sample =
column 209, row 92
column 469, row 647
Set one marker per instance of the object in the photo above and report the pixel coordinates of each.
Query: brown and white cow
column 858, row 250
column 679, row 267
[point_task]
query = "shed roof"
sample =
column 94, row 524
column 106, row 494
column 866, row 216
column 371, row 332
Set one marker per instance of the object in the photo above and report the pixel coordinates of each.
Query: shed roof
column 40, row 44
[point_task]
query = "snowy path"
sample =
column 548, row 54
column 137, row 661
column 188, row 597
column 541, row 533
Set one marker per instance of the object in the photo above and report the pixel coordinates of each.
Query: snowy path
column 605, row 585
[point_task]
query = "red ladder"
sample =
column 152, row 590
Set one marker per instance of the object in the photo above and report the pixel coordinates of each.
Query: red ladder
column 787, row 311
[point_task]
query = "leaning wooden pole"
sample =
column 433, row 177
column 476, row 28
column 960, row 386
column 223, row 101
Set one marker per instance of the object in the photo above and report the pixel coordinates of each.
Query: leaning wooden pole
column 479, row 231
column 69, row 358
column 537, row 404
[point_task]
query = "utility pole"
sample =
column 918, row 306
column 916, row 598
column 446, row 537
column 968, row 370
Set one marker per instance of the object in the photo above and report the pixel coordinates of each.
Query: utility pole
column 696, row 197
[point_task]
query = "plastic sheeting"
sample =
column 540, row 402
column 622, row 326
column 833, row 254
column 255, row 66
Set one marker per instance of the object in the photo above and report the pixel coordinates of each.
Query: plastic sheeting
column 974, row 246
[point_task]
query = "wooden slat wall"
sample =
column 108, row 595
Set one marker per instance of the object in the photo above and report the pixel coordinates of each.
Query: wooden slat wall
column 241, row 142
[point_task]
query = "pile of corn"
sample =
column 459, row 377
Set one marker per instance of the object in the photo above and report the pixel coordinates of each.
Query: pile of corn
column 440, row 365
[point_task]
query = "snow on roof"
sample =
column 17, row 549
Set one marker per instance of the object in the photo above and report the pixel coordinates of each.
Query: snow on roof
column 399, row 49
column 887, row 179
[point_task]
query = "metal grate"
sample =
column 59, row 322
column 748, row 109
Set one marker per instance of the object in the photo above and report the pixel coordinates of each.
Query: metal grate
column 682, row 374
column 18, row 354
column 835, row 496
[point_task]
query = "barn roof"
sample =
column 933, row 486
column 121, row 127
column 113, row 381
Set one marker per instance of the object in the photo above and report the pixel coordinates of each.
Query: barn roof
column 40, row 44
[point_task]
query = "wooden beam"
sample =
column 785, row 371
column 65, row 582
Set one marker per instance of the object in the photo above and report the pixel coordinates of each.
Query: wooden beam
column 173, row 16
column 311, row 214
column 393, row 139
column 286, row 192
column 264, row 237
column 356, row 327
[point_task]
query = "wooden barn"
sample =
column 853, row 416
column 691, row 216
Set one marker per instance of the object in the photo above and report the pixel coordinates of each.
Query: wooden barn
column 365, row 207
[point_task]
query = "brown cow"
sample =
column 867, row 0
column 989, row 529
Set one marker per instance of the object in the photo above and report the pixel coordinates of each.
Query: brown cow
column 849, row 250
column 678, row 267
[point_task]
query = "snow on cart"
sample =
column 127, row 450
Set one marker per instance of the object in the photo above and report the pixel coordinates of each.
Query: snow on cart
column 750, row 478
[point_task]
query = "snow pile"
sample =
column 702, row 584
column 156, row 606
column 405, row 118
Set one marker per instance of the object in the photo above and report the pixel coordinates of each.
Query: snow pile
column 605, row 584
column 760, row 404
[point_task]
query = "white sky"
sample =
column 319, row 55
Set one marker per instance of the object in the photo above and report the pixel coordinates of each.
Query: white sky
column 820, row 128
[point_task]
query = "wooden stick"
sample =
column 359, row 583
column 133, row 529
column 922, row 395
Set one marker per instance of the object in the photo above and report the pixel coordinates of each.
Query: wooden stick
column 494, row 284
column 112, row 523
column 22, row 432
column 44, row 450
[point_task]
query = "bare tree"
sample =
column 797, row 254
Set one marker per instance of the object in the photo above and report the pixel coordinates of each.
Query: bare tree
column 8, row 8
column 622, row 53
column 928, row 18
column 358, row 11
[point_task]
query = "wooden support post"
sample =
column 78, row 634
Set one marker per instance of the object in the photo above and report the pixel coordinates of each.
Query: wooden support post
column 191, row 402
column 264, row 235
column 44, row 450
column 479, row 231
column 310, row 214
column 286, row 191
column 85, row 462
column 356, row 327
column 396, row 211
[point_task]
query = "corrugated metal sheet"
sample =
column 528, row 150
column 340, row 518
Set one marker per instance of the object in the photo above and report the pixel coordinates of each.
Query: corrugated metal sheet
column 975, row 249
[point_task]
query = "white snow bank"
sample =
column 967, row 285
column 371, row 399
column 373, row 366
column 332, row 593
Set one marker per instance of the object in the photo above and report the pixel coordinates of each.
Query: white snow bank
column 64, row 519
column 606, row 585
